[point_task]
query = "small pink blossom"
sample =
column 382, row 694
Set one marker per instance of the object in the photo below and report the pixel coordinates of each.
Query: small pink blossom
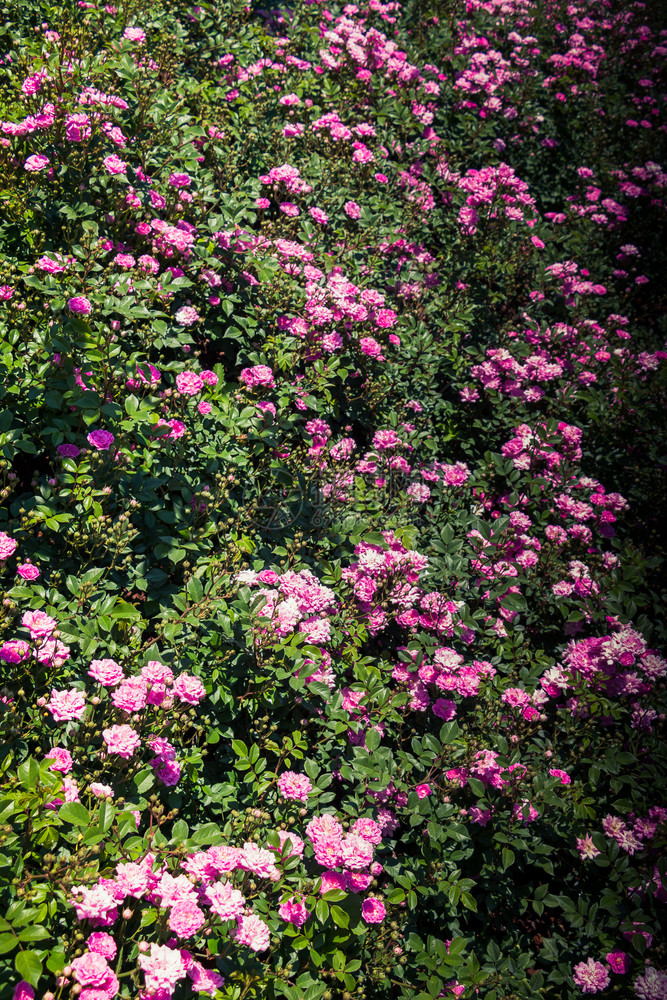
column 187, row 315
column 294, row 786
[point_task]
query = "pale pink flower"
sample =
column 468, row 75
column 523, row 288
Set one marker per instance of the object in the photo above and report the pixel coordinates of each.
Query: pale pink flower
column 101, row 791
column 65, row 706
column 225, row 901
column 187, row 315
column 586, row 847
column 591, row 976
column 185, row 918
column 121, row 740
column 106, row 672
column 163, row 968
column 7, row 547
column 253, row 932
column 135, row 35
column 189, row 383
column 294, row 786
column 189, row 689
column 36, row 162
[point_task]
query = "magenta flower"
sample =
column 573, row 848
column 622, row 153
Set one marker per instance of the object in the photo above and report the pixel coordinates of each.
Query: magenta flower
column 27, row 571
column 80, row 305
column 114, row 165
column 352, row 210
column 100, row 439
column 294, row 912
column 373, row 910
column 619, row 961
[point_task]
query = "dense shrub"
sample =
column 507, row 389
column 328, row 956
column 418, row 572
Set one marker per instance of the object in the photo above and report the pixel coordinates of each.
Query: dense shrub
column 332, row 487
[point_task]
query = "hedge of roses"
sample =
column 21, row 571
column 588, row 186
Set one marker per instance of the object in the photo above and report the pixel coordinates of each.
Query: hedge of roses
column 332, row 481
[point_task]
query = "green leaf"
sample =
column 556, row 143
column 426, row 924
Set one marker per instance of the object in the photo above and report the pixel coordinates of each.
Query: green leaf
column 373, row 740
column 209, row 833
column 34, row 933
column 179, row 832
column 74, row 813
column 339, row 916
column 28, row 773
column 508, row 857
column 28, row 966
column 7, row 943
column 124, row 610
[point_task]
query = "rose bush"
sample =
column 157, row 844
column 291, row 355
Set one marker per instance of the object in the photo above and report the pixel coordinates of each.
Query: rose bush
column 332, row 500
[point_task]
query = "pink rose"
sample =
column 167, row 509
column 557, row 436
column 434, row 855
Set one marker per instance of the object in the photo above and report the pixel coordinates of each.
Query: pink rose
column 80, row 304
column 423, row 791
column 36, row 163
column 121, row 740
column 39, row 623
column 373, row 910
column 100, row 439
column 7, row 546
column 65, row 706
column 27, row 571
column 114, row 165
column 189, row 689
